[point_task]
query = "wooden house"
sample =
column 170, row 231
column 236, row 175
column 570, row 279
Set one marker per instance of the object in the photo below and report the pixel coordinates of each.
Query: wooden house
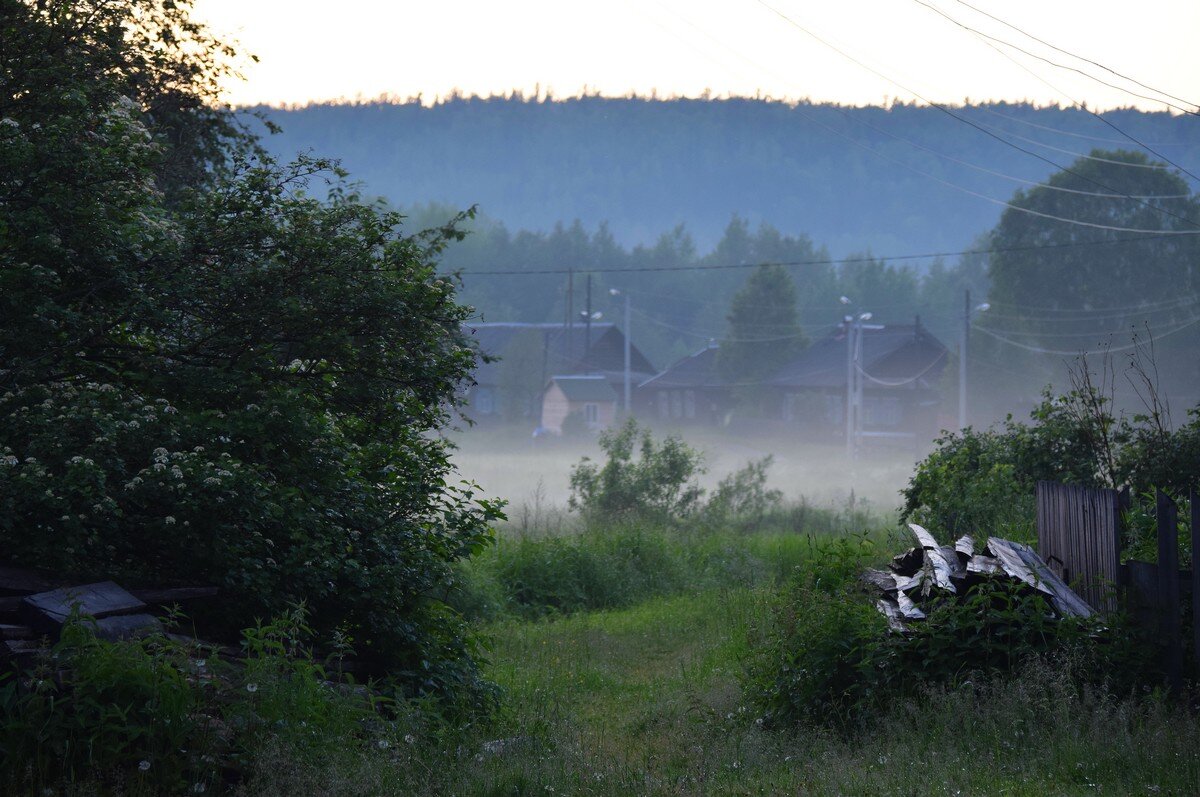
column 591, row 399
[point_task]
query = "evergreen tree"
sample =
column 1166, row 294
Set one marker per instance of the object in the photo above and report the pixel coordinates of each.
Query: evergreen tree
column 764, row 332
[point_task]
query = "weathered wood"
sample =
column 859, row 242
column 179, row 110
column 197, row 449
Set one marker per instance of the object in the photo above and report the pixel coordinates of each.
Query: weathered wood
column 10, row 604
column 47, row 611
column 924, row 538
column 173, row 595
column 908, row 609
column 1141, row 592
column 1194, row 501
column 1079, row 538
column 15, row 632
column 127, row 626
column 19, row 653
column 984, row 565
column 891, row 610
column 909, row 562
column 880, row 579
column 20, row 581
column 1167, row 516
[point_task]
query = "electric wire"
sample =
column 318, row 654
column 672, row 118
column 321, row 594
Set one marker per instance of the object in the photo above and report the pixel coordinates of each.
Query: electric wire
column 970, row 123
column 1106, row 350
column 1073, row 55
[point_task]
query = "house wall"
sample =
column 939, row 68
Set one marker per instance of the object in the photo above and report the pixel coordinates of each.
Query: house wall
column 555, row 408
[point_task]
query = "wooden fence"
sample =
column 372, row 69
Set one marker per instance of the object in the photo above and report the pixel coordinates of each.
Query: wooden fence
column 1079, row 536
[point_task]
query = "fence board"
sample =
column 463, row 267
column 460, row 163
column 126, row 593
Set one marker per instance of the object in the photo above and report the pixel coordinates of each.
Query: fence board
column 1079, row 532
column 1192, row 496
column 1167, row 515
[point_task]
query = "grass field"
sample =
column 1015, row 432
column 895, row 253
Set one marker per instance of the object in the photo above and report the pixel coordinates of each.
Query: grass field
column 646, row 699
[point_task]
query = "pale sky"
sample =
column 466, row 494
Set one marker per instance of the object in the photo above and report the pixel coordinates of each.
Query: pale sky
column 364, row 49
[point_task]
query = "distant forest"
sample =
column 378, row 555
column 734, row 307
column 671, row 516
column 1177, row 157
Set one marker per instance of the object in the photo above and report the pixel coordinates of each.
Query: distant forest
column 645, row 166
column 636, row 184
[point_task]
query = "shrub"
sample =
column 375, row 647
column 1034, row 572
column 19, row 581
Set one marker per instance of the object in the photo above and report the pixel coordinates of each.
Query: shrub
column 742, row 497
column 208, row 375
column 154, row 716
column 657, row 486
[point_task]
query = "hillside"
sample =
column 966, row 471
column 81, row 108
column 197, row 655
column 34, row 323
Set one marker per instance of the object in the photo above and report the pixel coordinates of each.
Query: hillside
column 645, row 166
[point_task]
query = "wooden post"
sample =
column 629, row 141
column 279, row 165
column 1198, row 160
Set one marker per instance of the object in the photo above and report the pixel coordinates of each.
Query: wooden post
column 1194, row 500
column 1168, row 588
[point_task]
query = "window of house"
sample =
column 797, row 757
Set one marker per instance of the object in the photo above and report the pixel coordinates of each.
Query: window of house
column 591, row 413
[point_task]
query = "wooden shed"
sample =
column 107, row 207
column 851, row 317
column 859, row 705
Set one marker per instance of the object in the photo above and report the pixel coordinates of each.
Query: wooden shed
column 592, row 397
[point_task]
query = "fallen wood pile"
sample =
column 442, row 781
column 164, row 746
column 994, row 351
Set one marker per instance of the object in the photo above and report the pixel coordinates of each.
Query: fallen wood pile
column 930, row 570
column 34, row 608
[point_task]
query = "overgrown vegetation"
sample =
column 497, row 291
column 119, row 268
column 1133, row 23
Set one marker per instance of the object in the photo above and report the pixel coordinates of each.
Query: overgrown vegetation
column 209, row 376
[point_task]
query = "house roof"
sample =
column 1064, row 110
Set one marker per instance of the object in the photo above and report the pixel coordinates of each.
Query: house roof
column 565, row 350
column 695, row 370
column 897, row 356
column 585, row 388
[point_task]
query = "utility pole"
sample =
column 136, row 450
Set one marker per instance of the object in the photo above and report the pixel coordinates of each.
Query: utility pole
column 587, row 324
column 628, row 334
column 858, row 383
column 962, row 360
column 849, row 320
column 968, row 311
column 570, row 319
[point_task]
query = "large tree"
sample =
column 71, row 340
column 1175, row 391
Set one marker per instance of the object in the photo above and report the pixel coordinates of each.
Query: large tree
column 764, row 332
column 1107, row 247
column 207, row 375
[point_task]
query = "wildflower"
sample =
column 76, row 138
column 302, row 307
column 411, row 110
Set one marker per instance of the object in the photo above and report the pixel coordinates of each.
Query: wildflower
column 143, row 765
column 169, row 520
column 410, row 739
column 382, row 744
column 251, row 688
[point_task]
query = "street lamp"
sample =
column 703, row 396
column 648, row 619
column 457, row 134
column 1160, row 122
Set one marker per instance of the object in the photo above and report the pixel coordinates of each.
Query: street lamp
column 854, row 347
column 968, row 311
column 628, row 332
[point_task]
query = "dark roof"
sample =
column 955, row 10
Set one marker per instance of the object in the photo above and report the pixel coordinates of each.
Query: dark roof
column 585, row 388
column 894, row 356
column 564, row 350
column 695, row 370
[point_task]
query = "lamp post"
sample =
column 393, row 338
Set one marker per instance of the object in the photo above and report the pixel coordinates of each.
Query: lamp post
column 628, row 387
column 854, row 396
column 968, row 311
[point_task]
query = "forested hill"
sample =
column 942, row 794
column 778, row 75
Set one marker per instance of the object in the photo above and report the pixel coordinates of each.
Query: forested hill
column 645, row 166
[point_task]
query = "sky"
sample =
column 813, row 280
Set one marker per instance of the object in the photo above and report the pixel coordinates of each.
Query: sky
column 314, row 50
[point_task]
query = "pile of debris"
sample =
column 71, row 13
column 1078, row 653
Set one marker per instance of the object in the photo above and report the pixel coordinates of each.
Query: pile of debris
column 34, row 608
column 929, row 569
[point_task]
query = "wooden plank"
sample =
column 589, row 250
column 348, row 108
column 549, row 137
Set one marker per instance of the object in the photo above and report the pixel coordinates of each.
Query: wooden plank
column 15, row 632
column 127, row 626
column 173, row 595
column 1167, row 516
column 1079, row 538
column 49, row 610
column 20, row 581
column 1194, row 500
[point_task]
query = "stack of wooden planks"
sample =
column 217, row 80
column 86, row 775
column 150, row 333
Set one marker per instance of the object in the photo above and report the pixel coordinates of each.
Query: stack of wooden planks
column 929, row 569
column 34, row 607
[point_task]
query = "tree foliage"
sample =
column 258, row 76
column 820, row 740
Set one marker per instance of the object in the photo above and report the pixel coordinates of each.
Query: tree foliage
column 764, row 332
column 207, row 374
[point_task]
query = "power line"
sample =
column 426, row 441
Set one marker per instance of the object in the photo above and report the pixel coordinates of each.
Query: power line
column 1073, row 55
column 978, row 127
column 1059, row 131
column 1018, row 48
column 814, row 262
column 1106, row 350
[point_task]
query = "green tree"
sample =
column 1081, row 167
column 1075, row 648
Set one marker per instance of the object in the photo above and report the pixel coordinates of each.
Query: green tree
column 522, row 376
column 207, row 375
column 763, row 329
